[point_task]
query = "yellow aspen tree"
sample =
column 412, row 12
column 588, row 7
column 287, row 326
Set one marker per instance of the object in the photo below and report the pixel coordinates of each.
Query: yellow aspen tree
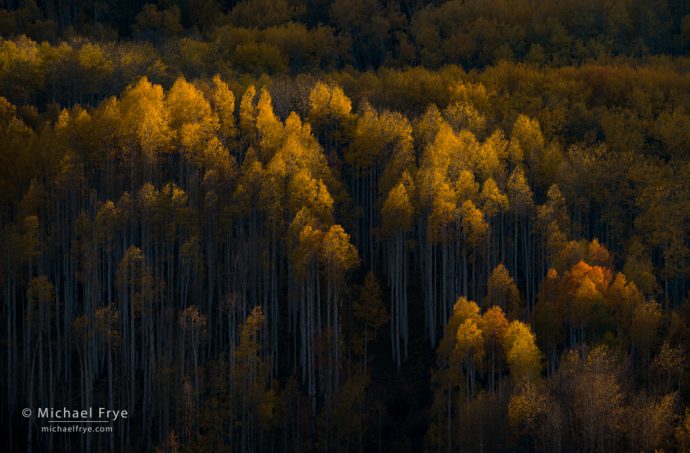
column 494, row 203
column 269, row 127
column 252, row 393
column 623, row 297
column 145, row 121
column 469, row 348
column 493, row 157
column 248, row 117
column 330, row 114
column 502, row 292
column 638, row 267
column 380, row 153
column 493, row 325
column 522, row 354
column 397, row 221
column 528, row 412
column 338, row 257
column 223, row 103
column 527, row 137
column 463, row 115
column 521, row 202
column 190, row 117
column 474, row 230
column 447, row 377
column 554, row 222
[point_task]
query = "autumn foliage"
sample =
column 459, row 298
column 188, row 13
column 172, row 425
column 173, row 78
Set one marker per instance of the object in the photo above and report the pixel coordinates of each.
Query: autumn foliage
column 351, row 226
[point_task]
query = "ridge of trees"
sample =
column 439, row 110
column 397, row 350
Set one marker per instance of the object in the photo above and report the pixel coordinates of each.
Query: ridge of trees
column 304, row 35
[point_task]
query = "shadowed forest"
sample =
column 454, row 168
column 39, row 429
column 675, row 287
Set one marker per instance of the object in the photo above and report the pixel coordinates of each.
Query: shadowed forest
column 346, row 225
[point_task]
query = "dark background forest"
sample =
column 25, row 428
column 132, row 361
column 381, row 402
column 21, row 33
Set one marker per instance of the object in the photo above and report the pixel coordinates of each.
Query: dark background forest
column 347, row 225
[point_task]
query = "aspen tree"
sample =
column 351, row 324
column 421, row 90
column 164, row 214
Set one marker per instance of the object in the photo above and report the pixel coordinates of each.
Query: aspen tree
column 107, row 320
column 190, row 119
column 338, row 256
column 370, row 308
column 380, row 153
column 527, row 412
column 247, row 118
column 645, row 330
column 330, row 113
column 461, row 343
column 469, row 347
column 527, row 136
column 502, row 292
column 193, row 326
column 493, row 326
column 549, row 318
column 494, row 204
column 223, row 103
column 40, row 311
column 270, row 129
column 146, row 127
column 522, row 354
column 397, row 216
column 521, row 202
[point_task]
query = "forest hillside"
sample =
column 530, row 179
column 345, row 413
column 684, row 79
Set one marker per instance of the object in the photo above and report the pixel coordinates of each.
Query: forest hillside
column 346, row 225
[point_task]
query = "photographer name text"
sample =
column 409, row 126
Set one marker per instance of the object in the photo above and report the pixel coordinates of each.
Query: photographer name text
column 92, row 413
